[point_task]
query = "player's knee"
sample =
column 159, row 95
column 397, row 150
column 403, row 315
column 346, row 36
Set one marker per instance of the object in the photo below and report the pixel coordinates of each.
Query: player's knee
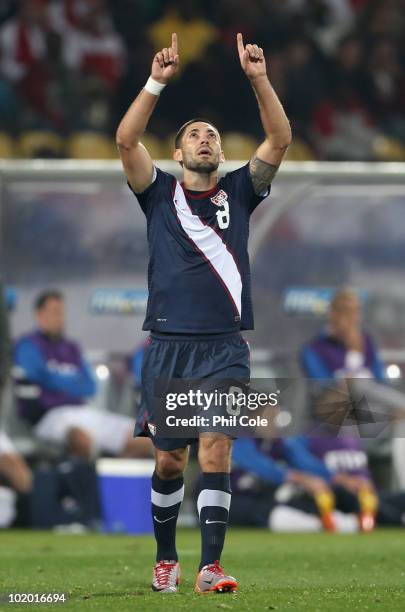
column 215, row 454
column 80, row 443
column 170, row 464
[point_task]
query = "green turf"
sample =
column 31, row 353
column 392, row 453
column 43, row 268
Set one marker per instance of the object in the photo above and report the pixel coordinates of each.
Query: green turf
column 277, row 572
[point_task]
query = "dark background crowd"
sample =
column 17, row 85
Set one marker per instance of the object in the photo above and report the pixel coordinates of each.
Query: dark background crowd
column 69, row 66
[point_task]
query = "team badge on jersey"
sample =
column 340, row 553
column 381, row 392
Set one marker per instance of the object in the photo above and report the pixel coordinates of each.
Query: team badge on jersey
column 223, row 216
column 220, row 198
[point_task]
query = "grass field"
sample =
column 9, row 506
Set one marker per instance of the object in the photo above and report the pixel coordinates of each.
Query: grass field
column 277, row 572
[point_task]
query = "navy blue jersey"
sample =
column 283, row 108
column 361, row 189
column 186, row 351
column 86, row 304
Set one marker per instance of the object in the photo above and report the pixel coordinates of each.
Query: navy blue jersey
column 199, row 275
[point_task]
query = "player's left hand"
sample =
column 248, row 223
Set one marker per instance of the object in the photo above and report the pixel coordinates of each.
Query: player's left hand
column 251, row 59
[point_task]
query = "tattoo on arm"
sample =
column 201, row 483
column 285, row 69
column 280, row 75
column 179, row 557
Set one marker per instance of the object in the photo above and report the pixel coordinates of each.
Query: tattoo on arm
column 262, row 174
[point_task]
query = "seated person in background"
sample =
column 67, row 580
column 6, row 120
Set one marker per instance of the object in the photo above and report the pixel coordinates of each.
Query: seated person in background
column 4, row 342
column 15, row 475
column 344, row 349
column 54, row 366
column 16, row 483
column 353, row 486
column 333, row 487
column 14, row 472
column 260, row 469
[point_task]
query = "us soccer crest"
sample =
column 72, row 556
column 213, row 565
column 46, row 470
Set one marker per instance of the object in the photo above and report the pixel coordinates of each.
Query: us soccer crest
column 220, row 198
column 222, row 215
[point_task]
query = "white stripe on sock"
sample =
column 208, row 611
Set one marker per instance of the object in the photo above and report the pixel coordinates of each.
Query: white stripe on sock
column 213, row 497
column 164, row 501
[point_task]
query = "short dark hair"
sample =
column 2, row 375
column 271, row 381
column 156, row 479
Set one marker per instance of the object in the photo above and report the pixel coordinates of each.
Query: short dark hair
column 45, row 296
column 179, row 135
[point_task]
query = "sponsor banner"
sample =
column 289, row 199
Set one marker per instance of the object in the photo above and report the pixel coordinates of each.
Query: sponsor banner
column 313, row 301
column 119, row 301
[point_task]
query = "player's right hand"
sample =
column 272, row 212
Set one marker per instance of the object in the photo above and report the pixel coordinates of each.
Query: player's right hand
column 166, row 62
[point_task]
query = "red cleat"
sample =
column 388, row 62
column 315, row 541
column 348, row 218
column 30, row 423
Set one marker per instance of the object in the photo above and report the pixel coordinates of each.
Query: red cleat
column 211, row 579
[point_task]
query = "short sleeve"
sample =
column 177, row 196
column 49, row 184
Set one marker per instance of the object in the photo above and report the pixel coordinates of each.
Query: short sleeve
column 161, row 182
column 240, row 182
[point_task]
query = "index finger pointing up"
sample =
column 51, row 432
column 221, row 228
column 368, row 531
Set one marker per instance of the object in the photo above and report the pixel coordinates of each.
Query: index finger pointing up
column 241, row 46
column 174, row 42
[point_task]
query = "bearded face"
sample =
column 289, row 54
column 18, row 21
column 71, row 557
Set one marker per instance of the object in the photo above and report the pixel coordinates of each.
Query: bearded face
column 201, row 148
column 204, row 163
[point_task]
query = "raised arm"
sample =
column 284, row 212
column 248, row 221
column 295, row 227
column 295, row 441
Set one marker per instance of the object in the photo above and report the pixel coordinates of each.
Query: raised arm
column 135, row 158
column 266, row 160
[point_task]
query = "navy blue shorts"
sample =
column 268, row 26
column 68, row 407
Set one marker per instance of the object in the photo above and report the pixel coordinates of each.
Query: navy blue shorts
column 170, row 356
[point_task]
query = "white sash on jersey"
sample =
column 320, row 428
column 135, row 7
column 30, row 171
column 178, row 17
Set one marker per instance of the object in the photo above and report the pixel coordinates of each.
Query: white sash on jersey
column 211, row 246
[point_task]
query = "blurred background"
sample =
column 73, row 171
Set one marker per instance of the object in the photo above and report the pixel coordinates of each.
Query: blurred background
column 74, row 66
column 68, row 71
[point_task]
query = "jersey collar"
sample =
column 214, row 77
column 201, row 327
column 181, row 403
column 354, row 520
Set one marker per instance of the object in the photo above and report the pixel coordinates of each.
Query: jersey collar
column 199, row 195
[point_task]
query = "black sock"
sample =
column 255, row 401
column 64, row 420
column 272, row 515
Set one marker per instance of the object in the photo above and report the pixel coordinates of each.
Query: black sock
column 213, row 505
column 167, row 496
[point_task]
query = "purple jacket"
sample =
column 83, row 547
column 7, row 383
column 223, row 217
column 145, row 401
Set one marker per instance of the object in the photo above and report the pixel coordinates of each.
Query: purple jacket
column 57, row 368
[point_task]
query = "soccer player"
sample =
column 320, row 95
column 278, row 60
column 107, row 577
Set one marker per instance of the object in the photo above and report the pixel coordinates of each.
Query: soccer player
column 199, row 292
